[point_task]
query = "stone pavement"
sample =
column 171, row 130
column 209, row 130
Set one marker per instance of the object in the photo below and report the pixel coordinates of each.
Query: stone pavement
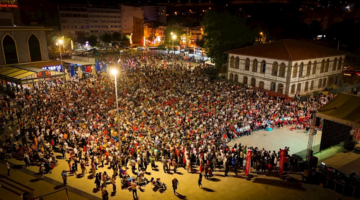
column 218, row 187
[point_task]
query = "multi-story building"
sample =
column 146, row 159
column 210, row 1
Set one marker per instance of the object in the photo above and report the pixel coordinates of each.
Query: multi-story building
column 88, row 20
column 9, row 13
column 133, row 22
column 286, row 66
column 91, row 20
column 155, row 13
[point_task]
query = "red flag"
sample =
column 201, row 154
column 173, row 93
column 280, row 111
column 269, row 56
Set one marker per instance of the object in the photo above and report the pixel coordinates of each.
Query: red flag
column 248, row 162
column 282, row 161
column 39, row 74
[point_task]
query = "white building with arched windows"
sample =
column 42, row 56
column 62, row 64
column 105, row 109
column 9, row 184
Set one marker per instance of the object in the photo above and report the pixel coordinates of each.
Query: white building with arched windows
column 286, row 66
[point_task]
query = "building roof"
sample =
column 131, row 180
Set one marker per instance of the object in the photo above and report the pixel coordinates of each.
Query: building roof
column 24, row 28
column 343, row 109
column 287, row 49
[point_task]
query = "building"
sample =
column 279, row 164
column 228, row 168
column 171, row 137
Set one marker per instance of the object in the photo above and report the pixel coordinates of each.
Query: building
column 9, row 13
column 24, row 54
column 286, row 66
column 155, row 13
column 88, row 20
column 133, row 23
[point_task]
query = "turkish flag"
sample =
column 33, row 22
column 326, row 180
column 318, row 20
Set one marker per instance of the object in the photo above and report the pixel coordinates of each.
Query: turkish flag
column 88, row 69
column 39, row 74
column 47, row 73
column 282, row 161
column 248, row 162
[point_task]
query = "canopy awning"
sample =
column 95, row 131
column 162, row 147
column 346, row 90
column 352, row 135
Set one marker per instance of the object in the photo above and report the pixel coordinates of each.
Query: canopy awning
column 344, row 109
column 78, row 62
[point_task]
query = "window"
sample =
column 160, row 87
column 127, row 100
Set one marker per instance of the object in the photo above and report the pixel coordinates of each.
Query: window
column 232, row 60
column 331, row 81
column 263, row 67
column 324, row 82
column 77, row 15
column 237, row 63
column 322, row 66
column 308, row 69
column 247, row 64
column 9, row 49
column 236, row 79
column 272, row 86
column 34, row 48
column 319, row 85
column 312, row 85
column 294, row 71
column 253, row 82
column 301, row 70
column 340, row 64
column 327, row 65
column 314, row 68
column 261, row 84
column 231, row 76
column 336, row 80
column 255, row 63
column 292, row 89
column 334, row 64
column 280, row 88
column 84, row 16
column 274, row 69
column 282, row 70
column 298, row 89
column 306, row 86
column 245, row 80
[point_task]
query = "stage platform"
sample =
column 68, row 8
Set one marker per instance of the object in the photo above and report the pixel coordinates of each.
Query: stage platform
column 279, row 138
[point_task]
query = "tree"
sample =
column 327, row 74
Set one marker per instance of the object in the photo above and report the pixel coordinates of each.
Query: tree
column 92, row 40
column 81, row 39
column 224, row 31
column 116, row 36
column 200, row 43
column 106, row 38
column 176, row 30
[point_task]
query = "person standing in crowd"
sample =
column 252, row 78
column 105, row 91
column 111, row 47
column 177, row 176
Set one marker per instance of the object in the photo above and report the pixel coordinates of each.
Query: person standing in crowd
column 7, row 167
column 175, row 183
column 200, row 180
column 64, row 177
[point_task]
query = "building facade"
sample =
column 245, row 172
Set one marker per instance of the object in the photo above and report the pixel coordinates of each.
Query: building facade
column 87, row 20
column 286, row 66
column 155, row 13
column 23, row 45
column 133, row 22
column 9, row 13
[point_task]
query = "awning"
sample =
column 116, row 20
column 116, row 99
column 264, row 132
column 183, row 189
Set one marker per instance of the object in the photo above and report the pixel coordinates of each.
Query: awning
column 344, row 109
column 77, row 62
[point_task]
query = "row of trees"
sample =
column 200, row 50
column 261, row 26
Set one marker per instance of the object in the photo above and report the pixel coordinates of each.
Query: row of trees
column 106, row 38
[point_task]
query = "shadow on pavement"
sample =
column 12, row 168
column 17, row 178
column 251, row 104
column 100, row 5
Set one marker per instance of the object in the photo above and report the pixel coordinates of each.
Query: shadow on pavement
column 59, row 186
column 180, row 196
column 90, row 176
column 214, row 179
column 208, row 189
column 279, row 183
column 35, row 180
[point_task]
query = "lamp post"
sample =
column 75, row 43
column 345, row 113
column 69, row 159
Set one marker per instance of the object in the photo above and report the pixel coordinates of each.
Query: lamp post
column 114, row 72
column 173, row 38
column 263, row 37
column 59, row 43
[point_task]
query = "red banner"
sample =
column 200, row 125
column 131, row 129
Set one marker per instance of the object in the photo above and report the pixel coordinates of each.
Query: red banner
column 248, row 162
column 39, row 74
column 88, row 69
column 282, row 161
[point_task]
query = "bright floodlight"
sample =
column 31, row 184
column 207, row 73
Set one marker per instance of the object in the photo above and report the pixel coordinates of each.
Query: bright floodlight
column 261, row 33
column 174, row 37
column 172, row 33
column 60, row 41
column 114, row 71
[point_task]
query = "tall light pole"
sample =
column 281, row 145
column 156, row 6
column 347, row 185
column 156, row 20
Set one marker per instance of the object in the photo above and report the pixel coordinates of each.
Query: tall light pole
column 173, row 38
column 263, row 37
column 59, row 43
column 114, row 72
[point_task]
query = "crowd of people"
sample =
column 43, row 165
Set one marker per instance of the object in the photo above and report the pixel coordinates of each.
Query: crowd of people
column 168, row 113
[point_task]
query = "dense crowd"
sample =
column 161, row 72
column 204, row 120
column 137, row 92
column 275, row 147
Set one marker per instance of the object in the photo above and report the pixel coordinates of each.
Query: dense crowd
column 169, row 112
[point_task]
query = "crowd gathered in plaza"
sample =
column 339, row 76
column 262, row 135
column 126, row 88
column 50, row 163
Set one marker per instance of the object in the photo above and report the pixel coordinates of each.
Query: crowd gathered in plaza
column 170, row 115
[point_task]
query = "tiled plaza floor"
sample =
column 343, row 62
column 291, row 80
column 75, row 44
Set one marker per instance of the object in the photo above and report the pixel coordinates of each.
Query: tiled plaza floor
column 219, row 187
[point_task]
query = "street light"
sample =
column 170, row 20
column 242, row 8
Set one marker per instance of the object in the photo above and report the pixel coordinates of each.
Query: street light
column 59, row 43
column 263, row 37
column 173, row 38
column 114, row 72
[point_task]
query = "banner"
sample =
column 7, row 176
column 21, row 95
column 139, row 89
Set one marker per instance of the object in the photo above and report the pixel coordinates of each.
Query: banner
column 248, row 162
column 282, row 161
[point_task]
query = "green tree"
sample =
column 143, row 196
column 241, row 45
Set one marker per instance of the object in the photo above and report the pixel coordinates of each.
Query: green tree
column 116, row 36
column 81, row 39
column 222, row 32
column 176, row 30
column 106, row 38
column 92, row 39
column 200, row 43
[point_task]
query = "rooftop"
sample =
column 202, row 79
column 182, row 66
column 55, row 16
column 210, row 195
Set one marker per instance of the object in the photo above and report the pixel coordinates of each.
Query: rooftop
column 288, row 49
